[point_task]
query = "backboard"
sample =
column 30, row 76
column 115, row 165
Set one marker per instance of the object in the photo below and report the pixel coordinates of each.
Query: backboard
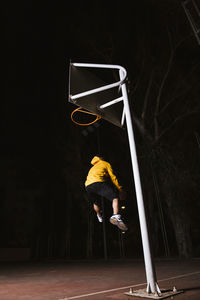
column 83, row 79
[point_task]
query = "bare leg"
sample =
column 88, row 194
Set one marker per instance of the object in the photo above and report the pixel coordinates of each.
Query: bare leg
column 97, row 209
column 115, row 206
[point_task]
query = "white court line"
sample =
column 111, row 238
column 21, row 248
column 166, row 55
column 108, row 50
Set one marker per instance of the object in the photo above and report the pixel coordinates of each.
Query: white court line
column 127, row 287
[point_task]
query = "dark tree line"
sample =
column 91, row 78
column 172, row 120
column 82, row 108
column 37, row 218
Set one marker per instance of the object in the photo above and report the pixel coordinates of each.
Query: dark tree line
column 162, row 58
column 43, row 202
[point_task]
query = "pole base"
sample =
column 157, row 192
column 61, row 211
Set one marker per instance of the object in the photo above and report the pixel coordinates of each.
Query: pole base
column 143, row 293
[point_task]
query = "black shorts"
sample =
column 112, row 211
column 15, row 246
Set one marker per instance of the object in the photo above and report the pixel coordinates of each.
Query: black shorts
column 102, row 189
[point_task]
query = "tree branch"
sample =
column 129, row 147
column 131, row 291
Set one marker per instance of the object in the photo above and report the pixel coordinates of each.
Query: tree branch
column 156, row 112
column 179, row 118
column 146, row 98
column 169, row 65
column 182, row 92
column 141, row 127
column 132, row 91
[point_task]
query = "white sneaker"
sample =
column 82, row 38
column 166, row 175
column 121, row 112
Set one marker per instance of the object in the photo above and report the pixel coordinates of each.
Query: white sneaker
column 100, row 218
column 116, row 220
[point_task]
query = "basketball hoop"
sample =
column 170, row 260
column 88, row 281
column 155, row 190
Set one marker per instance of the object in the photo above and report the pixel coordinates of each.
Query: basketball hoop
column 79, row 109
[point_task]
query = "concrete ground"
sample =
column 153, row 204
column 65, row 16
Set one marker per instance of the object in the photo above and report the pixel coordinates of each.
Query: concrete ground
column 95, row 279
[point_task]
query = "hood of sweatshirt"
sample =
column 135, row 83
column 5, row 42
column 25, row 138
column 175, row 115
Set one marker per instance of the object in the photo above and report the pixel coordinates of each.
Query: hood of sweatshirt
column 95, row 160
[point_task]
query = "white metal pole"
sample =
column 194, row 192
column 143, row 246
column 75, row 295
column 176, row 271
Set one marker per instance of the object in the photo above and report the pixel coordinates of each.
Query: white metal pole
column 150, row 274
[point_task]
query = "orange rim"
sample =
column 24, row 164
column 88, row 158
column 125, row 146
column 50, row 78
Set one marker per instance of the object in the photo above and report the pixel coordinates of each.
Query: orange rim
column 79, row 109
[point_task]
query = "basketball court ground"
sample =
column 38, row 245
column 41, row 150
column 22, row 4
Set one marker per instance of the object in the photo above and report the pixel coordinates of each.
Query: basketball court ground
column 65, row 280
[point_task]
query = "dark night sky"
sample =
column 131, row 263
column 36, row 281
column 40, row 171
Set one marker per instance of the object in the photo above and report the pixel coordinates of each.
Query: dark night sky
column 37, row 135
column 40, row 41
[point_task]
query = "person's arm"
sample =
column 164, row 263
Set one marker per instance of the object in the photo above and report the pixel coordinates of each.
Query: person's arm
column 113, row 177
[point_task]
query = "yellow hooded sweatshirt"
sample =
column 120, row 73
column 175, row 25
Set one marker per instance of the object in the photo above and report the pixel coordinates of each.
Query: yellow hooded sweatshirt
column 100, row 172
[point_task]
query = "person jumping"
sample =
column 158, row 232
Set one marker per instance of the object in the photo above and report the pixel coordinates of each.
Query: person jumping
column 97, row 183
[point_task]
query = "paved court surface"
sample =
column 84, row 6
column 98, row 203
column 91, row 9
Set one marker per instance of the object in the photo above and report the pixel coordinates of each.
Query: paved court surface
column 95, row 279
